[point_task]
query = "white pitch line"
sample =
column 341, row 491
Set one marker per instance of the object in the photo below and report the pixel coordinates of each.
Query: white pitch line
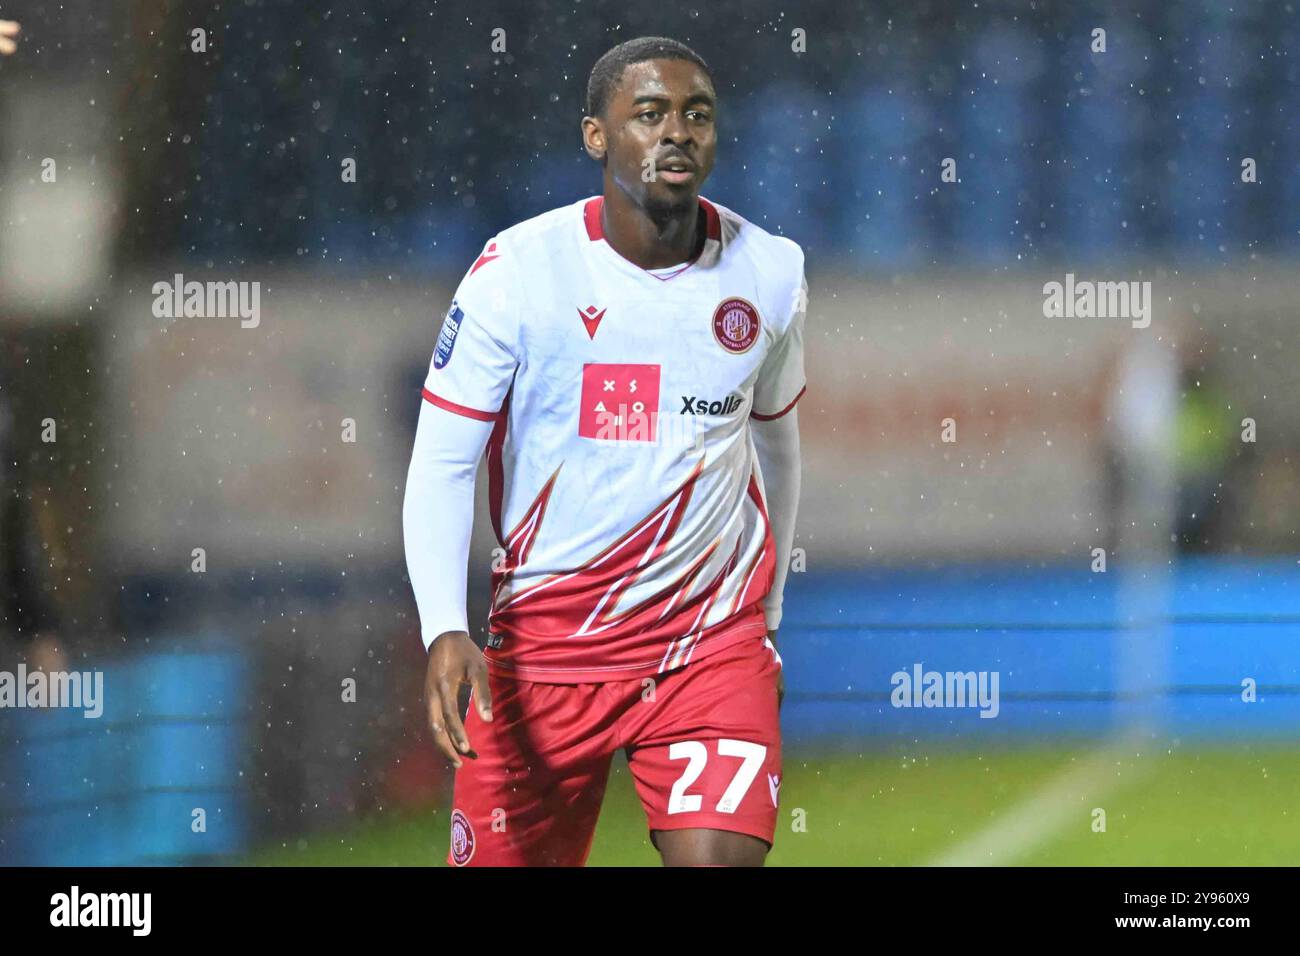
column 1066, row 800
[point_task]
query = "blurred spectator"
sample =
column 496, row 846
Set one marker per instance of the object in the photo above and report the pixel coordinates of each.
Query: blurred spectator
column 27, row 616
column 9, row 29
column 1138, row 444
column 1168, row 418
column 1205, row 447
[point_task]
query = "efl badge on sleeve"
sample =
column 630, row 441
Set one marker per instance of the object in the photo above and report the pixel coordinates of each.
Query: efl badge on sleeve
column 735, row 325
column 447, row 337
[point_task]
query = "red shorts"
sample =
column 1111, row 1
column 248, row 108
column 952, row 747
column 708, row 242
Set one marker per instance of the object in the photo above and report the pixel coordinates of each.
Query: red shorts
column 703, row 743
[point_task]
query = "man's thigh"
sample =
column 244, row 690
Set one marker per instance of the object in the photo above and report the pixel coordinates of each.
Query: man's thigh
column 532, row 795
column 706, row 754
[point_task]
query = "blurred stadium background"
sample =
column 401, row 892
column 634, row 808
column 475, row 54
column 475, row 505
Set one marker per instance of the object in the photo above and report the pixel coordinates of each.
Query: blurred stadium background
column 1120, row 690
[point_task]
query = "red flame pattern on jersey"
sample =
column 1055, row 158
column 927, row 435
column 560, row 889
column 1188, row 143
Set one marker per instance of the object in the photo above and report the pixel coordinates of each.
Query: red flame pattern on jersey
column 583, row 602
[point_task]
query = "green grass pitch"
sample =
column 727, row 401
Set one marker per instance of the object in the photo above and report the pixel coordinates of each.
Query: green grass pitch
column 1201, row 807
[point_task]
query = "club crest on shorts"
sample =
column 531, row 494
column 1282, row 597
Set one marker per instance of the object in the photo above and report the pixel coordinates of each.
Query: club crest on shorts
column 462, row 838
column 735, row 325
column 447, row 335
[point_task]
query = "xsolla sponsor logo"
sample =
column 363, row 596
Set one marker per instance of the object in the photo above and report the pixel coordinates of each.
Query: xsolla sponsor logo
column 922, row 688
column 75, row 690
column 702, row 406
column 133, row 910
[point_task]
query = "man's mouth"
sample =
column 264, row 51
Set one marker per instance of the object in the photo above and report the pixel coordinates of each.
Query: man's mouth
column 676, row 171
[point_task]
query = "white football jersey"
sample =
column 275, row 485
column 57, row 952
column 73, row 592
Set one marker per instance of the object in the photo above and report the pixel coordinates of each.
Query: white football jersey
column 623, row 483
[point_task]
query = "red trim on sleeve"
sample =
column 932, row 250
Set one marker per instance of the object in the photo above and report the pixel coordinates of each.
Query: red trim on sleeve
column 458, row 409
column 496, row 470
column 768, row 418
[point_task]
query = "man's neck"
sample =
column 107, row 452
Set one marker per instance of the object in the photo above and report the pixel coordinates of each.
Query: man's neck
column 647, row 242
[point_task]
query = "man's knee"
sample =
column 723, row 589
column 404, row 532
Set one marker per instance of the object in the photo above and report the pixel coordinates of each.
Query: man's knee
column 703, row 847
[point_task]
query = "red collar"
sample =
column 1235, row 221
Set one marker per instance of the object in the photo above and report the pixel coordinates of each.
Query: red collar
column 591, row 215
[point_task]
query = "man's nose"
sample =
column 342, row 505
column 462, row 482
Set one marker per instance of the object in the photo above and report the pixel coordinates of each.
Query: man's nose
column 676, row 129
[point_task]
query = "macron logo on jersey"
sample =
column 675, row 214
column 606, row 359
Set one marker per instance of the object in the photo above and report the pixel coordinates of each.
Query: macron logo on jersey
column 489, row 254
column 591, row 319
column 447, row 336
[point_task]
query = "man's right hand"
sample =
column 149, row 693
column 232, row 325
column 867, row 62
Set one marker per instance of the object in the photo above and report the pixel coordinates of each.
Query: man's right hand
column 454, row 660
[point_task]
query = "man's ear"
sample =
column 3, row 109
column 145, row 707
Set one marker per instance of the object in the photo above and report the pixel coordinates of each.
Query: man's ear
column 593, row 139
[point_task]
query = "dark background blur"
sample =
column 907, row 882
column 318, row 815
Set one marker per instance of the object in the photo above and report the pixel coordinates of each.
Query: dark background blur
column 926, row 303
column 233, row 156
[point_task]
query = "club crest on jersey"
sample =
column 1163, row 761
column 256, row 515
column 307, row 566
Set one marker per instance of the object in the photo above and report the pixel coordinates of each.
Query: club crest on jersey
column 735, row 325
column 462, row 838
column 447, row 336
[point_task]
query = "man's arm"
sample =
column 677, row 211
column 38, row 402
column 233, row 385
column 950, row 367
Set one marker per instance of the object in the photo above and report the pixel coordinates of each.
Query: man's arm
column 777, row 444
column 774, row 428
column 437, row 518
column 438, row 515
column 474, row 363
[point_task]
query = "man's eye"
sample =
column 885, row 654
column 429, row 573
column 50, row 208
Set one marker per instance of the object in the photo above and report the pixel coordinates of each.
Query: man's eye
column 650, row 115
column 697, row 115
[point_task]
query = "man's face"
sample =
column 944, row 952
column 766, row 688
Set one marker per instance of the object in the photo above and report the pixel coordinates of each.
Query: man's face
column 657, row 134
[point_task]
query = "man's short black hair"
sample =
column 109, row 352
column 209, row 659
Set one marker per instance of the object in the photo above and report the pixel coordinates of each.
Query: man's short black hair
column 609, row 68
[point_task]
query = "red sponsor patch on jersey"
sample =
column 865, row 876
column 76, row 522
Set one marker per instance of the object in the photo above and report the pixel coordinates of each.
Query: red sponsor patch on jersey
column 619, row 402
column 735, row 325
